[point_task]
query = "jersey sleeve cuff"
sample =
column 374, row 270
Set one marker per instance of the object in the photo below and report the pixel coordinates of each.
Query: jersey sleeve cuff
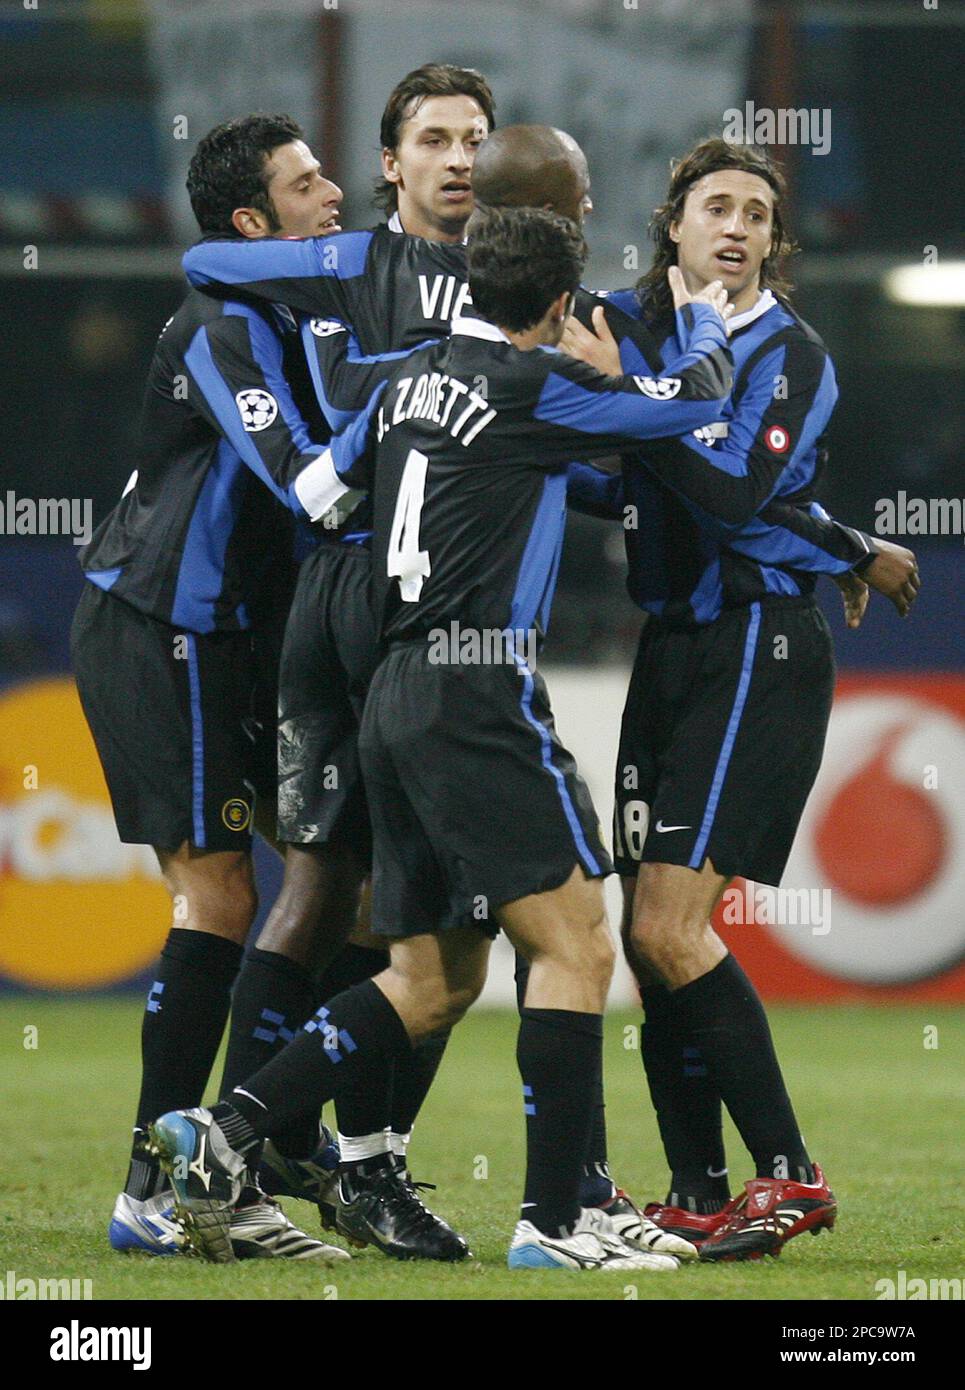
column 318, row 487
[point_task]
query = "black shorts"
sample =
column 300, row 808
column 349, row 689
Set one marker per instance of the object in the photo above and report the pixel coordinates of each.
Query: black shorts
column 184, row 723
column 328, row 658
column 722, row 738
column 475, row 802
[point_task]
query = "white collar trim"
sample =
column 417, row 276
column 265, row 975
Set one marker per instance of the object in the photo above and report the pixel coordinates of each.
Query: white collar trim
column 477, row 328
column 765, row 302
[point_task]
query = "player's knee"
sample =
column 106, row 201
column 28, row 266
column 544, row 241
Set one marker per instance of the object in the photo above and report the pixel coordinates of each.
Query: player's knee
column 602, row 955
column 654, row 939
column 218, row 894
column 456, row 1005
column 585, row 949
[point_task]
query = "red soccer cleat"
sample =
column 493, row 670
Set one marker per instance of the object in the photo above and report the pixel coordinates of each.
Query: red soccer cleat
column 771, row 1212
column 687, row 1224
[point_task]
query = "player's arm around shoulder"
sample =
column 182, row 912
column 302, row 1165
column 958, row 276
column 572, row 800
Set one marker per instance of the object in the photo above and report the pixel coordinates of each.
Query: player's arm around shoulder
column 703, row 373
column 311, row 274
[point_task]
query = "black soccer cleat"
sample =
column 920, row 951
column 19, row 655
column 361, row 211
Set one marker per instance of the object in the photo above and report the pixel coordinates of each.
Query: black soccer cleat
column 382, row 1209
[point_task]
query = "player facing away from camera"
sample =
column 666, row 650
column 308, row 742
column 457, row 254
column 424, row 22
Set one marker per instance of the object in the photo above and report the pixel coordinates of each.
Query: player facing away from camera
column 389, row 290
column 176, row 638
column 728, row 706
column 379, row 291
column 475, row 802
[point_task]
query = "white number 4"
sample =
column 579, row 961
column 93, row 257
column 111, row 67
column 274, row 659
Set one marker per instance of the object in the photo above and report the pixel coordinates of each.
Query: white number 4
column 406, row 562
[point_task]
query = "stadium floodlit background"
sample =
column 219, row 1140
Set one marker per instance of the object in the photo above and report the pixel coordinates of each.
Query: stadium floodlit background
column 104, row 102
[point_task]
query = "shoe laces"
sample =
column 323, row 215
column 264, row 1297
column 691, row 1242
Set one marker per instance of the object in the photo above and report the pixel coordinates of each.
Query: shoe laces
column 402, row 1202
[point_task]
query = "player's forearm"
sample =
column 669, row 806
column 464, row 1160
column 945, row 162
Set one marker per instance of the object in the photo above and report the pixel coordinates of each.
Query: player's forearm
column 343, row 376
column 345, row 466
column 705, row 363
column 815, row 541
column 319, row 487
column 302, row 274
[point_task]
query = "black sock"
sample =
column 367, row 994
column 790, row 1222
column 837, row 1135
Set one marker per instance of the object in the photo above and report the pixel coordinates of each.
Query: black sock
column 350, row 1044
column 722, row 1015
column 363, row 1111
column 560, row 1057
column 185, row 1017
column 411, row 1079
column 351, row 966
column 596, row 1185
column 687, row 1104
column 145, row 1177
column 273, row 997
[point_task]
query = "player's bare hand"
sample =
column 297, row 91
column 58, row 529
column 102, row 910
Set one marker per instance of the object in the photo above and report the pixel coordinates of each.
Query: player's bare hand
column 894, row 573
column 713, row 294
column 855, row 593
column 598, row 349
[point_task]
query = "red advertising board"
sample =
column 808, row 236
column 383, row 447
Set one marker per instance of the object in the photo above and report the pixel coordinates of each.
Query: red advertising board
column 872, row 907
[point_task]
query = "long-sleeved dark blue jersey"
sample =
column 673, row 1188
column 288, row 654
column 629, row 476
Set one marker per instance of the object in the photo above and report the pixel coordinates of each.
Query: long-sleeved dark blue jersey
column 393, row 290
column 366, row 297
column 203, row 536
column 718, row 518
column 470, row 488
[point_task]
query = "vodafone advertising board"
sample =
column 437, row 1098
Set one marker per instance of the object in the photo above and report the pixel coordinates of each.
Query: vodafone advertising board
column 882, row 843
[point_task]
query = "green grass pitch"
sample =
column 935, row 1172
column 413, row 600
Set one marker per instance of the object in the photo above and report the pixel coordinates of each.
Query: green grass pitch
column 880, row 1109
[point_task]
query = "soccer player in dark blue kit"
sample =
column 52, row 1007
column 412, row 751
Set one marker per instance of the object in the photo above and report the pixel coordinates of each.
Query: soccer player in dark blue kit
column 379, row 291
column 176, row 638
column 727, row 710
column 383, row 290
column 474, row 797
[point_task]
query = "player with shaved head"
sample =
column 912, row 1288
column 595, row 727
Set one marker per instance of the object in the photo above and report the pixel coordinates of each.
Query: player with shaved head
column 532, row 166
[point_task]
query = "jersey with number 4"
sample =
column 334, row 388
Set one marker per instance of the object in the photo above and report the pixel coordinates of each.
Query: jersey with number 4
column 466, row 449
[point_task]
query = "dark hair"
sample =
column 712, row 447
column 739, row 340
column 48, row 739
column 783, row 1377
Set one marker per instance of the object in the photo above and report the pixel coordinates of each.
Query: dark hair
column 431, row 80
column 520, row 260
column 708, row 157
column 228, row 169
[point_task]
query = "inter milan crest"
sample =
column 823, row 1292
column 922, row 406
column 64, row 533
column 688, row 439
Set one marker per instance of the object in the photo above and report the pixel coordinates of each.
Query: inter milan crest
column 236, row 814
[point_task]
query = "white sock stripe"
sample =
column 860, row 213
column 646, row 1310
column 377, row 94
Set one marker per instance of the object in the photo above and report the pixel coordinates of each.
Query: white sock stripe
column 357, row 1148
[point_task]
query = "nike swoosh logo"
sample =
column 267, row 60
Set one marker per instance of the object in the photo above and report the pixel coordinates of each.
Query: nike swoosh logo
column 662, row 829
column 712, row 1173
